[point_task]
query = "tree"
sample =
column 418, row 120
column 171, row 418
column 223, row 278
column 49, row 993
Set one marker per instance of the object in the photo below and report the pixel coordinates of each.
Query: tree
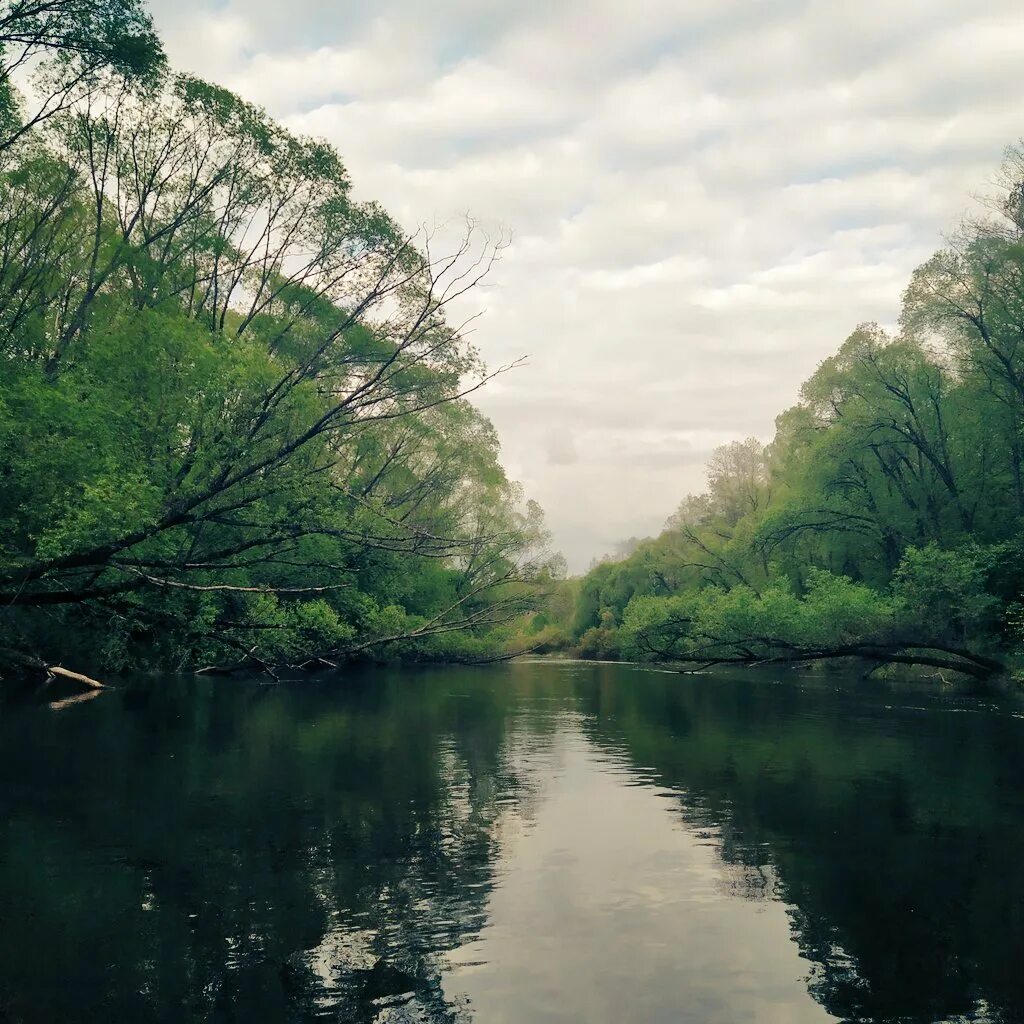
column 970, row 296
column 899, row 471
column 70, row 44
column 835, row 618
column 234, row 426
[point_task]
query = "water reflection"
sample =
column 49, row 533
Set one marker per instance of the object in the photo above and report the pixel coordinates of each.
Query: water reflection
column 531, row 842
column 892, row 824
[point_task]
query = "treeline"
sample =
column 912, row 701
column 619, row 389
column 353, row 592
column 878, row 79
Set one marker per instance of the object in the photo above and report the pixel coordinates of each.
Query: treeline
column 233, row 420
column 884, row 521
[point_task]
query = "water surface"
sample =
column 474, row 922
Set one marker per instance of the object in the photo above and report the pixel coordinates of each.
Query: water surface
column 536, row 842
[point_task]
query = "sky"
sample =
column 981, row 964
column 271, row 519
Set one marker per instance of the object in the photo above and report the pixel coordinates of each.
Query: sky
column 704, row 197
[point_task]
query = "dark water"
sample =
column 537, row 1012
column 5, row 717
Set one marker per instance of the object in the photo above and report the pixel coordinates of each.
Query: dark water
column 529, row 843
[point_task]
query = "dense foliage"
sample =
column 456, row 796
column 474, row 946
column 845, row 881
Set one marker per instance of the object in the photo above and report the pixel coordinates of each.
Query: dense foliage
column 885, row 518
column 233, row 415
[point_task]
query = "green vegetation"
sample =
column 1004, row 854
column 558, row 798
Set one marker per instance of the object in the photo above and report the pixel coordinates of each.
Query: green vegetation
column 884, row 521
column 234, row 427
column 233, row 417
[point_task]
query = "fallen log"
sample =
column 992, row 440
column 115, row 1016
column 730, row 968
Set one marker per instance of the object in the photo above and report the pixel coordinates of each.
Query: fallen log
column 65, row 673
column 919, row 654
column 50, row 672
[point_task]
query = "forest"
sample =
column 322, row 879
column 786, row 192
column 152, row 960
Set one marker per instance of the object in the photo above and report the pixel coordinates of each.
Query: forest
column 234, row 420
column 882, row 523
column 236, row 428
column 302, row 717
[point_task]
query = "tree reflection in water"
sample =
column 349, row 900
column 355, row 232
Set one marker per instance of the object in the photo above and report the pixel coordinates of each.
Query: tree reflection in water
column 890, row 820
column 188, row 850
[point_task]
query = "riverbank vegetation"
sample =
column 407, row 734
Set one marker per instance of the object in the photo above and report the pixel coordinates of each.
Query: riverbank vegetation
column 883, row 521
column 235, row 428
column 234, row 416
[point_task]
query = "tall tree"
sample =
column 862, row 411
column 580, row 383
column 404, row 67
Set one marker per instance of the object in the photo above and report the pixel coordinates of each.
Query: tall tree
column 233, row 401
column 69, row 45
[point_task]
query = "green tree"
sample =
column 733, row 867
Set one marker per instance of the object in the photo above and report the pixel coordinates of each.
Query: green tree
column 70, row 45
column 895, row 483
column 234, row 426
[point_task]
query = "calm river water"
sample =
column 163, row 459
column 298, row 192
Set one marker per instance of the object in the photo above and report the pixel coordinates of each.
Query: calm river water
column 529, row 843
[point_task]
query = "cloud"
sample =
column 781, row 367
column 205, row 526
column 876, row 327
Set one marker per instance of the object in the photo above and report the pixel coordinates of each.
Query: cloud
column 560, row 448
column 705, row 198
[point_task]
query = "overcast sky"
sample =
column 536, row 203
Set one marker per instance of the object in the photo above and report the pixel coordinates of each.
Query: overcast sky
column 706, row 196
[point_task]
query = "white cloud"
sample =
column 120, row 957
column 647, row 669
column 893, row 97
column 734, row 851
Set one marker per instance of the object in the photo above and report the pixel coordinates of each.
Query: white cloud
column 705, row 197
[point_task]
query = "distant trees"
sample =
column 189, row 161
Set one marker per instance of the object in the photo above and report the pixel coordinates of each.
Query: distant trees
column 738, row 481
column 894, row 489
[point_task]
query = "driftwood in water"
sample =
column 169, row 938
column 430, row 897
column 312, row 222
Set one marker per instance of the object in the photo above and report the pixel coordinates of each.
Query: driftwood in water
column 77, row 677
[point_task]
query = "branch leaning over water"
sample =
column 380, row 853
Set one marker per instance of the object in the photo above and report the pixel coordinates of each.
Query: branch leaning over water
column 965, row 662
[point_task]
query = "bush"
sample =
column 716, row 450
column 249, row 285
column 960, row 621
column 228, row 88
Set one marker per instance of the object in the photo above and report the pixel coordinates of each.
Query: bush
column 600, row 643
column 944, row 592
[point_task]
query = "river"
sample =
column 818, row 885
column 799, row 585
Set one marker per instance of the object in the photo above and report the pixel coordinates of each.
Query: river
column 526, row 843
